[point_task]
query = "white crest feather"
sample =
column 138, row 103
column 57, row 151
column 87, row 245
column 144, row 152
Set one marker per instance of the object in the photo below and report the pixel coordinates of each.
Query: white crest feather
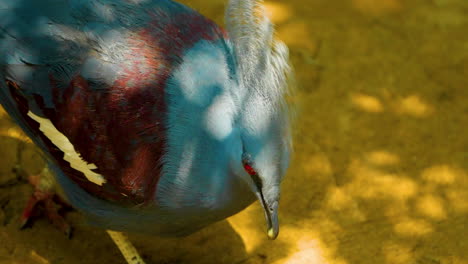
column 262, row 61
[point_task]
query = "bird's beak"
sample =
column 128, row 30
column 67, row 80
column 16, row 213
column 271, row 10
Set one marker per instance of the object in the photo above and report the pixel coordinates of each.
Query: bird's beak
column 271, row 215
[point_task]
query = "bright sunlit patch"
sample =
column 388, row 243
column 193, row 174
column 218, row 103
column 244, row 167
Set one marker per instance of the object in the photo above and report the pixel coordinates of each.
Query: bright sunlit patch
column 413, row 105
column 309, row 250
column 431, row 206
column 455, row 183
column 218, row 117
column 367, row 103
column 412, row 227
column 16, row 133
column 382, row 158
column 442, row 175
column 278, row 12
column 340, row 200
column 297, row 244
column 202, row 73
column 70, row 154
column 186, row 162
column 38, row 258
column 306, row 246
column 370, row 183
column 251, row 233
column 289, row 34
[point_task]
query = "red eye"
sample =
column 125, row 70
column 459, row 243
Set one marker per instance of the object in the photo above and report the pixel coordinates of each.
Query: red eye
column 249, row 169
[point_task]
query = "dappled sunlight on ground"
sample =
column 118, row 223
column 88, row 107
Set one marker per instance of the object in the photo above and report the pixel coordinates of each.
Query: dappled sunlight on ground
column 412, row 105
column 380, row 168
column 278, row 12
column 367, row 103
column 289, row 33
column 382, row 158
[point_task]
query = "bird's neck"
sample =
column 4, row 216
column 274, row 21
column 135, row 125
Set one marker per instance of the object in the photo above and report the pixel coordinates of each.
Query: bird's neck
column 203, row 172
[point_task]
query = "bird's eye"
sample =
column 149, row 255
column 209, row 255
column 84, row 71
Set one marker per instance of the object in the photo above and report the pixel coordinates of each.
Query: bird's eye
column 249, row 169
column 253, row 173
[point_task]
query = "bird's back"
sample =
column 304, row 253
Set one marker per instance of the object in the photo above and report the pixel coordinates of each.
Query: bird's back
column 95, row 73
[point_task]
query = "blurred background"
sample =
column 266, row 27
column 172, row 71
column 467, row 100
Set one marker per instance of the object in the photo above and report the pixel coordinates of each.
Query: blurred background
column 380, row 167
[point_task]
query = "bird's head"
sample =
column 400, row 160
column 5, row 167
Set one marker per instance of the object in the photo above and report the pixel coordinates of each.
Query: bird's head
column 265, row 158
column 262, row 69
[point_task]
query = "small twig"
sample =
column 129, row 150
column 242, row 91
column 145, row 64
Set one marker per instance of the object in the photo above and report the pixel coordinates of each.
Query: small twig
column 126, row 248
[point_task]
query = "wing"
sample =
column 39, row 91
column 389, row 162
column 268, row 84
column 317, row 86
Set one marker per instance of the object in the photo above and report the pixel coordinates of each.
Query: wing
column 85, row 80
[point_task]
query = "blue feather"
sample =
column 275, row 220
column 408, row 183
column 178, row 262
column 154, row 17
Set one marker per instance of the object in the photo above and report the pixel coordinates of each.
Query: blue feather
column 156, row 96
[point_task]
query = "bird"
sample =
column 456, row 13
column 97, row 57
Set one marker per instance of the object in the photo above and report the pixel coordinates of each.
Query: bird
column 151, row 117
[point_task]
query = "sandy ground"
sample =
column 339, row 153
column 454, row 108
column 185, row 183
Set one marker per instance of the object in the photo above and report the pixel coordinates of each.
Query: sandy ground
column 379, row 174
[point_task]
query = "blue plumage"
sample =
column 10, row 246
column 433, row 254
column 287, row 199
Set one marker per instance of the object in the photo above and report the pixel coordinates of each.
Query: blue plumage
column 152, row 118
